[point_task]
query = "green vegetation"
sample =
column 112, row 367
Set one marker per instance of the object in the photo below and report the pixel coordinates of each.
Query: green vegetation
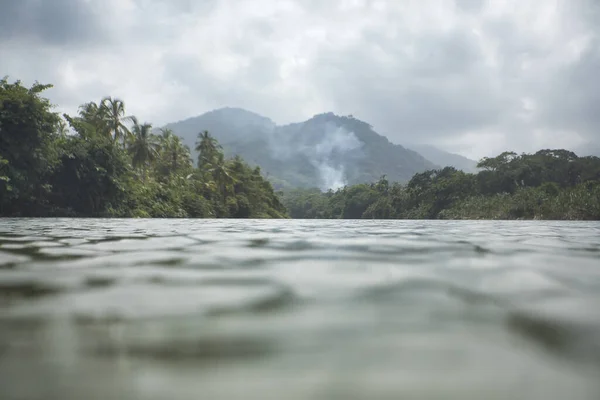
column 550, row 184
column 114, row 166
column 103, row 163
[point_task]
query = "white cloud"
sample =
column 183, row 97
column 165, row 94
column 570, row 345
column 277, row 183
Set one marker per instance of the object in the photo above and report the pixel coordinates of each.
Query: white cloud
column 474, row 76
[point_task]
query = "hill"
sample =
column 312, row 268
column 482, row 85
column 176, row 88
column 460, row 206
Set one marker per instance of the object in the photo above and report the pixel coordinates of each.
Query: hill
column 327, row 151
column 444, row 158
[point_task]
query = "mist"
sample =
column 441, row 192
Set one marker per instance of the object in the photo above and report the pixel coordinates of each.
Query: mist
column 325, row 146
column 336, row 141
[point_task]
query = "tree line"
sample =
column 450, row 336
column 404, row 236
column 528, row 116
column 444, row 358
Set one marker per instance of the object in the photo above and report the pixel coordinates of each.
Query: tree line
column 104, row 163
column 550, row 184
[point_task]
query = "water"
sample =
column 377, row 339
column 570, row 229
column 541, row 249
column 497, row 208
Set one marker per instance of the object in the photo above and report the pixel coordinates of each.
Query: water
column 238, row 309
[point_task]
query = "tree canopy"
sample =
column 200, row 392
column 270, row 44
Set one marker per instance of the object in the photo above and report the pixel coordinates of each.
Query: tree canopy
column 104, row 163
column 550, row 184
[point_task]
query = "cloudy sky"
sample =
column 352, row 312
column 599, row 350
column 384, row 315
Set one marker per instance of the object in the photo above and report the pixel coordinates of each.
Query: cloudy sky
column 471, row 76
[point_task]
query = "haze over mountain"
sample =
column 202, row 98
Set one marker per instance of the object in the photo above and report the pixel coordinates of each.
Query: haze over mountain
column 444, row 158
column 327, row 151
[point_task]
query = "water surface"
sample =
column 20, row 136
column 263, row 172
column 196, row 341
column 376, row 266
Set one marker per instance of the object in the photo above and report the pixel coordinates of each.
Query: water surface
column 274, row 309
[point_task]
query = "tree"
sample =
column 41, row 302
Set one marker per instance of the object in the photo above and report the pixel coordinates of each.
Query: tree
column 91, row 178
column 208, row 149
column 45, row 171
column 143, row 146
column 499, row 162
column 89, row 123
column 174, row 157
column 222, row 175
column 112, row 113
column 27, row 132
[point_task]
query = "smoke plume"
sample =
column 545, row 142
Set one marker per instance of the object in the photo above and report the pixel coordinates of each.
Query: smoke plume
column 336, row 142
column 325, row 146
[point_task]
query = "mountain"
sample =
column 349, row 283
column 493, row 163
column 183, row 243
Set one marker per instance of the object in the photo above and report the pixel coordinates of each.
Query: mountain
column 445, row 159
column 326, row 151
column 226, row 124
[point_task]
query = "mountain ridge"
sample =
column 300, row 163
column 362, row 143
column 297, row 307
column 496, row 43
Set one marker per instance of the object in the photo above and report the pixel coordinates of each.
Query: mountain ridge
column 326, row 151
column 445, row 158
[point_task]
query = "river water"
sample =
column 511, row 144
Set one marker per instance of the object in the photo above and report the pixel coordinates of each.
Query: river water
column 280, row 309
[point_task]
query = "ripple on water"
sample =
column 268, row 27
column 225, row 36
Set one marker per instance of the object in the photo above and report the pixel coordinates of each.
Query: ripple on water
column 299, row 309
column 100, row 281
column 136, row 300
column 65, row 253
column 8, row 260
column 203, row 349
column 128, row 259
column 138, row 244
column 518, row 284
column 565, row 326
column 11, row 291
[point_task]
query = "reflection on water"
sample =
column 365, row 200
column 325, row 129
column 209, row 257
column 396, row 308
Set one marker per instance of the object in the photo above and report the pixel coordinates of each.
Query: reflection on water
column 224, row 309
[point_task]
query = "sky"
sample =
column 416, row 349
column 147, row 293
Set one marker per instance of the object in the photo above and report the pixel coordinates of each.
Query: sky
column 473, row 77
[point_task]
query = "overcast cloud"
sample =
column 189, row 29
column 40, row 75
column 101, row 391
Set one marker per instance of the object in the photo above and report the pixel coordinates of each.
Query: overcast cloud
column 471, row 76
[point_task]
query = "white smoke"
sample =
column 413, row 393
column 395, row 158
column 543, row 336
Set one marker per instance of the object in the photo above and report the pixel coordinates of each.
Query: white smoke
column 330, row 142
column 331, row 177
column 335, row 140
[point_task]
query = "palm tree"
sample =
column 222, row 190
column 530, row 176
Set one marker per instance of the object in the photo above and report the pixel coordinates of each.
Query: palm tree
column 89, row 124
column 143, row 146
column 168, row 146
column 91, row 115
column 209, row 149
column 174, row 153
column 89, row 111
column 166, row 134
column 113, row 114
column 223, row 176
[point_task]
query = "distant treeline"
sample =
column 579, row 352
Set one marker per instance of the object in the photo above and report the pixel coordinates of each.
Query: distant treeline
column 111, row 165
column 550, row 184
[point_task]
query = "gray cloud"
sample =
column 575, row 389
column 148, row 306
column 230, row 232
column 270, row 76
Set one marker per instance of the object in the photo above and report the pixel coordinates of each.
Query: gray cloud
column 441, row 88
column 573, row 101
column 55, row 22
column 475, row 76
column 470, row 5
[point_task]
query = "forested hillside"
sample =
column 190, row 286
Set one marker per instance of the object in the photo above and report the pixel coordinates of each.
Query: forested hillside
column 326, row 151
column 550, row 184
column 103, row 163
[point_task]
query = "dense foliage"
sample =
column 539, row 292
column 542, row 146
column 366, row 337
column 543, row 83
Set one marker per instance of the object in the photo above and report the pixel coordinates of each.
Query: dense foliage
column 102, row 162
column 550, row 184
column 110, row 164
